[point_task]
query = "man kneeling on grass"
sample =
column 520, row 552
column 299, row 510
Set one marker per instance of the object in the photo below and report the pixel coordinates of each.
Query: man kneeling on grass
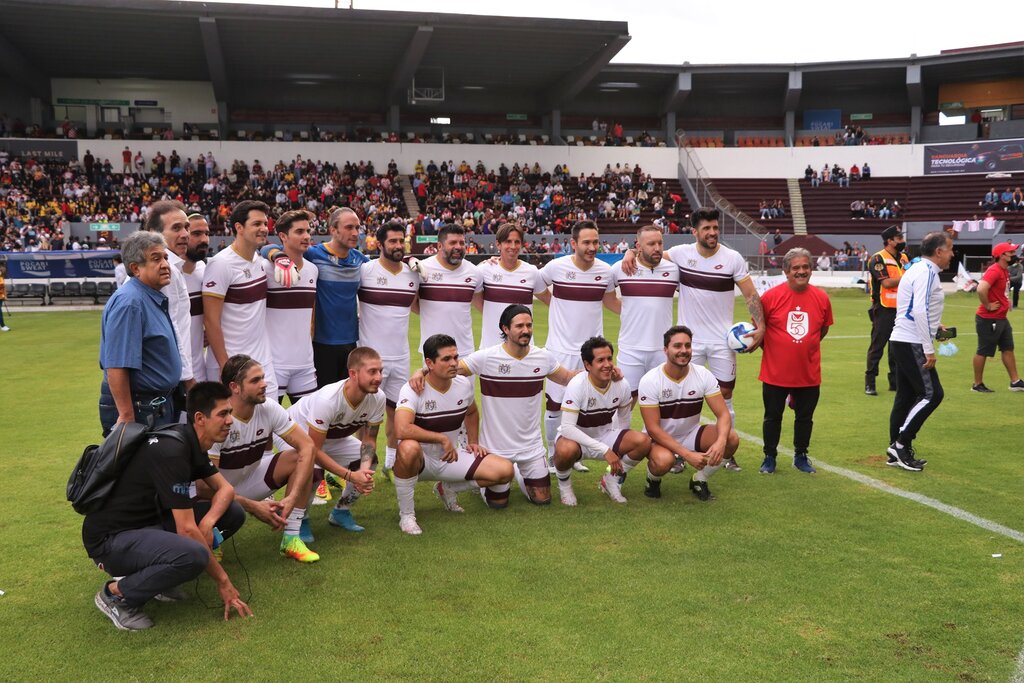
column 149, row 533
column 427, row 425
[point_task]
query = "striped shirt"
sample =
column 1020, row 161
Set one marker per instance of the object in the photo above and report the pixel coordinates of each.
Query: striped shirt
column 502, row 288
column 678, row 403
column 576, row 295
column 243, row 287
column 706, row 296
column 646, row 304
column 385, row 300
column 446, row 297
column 442, row 412
column 290, row 317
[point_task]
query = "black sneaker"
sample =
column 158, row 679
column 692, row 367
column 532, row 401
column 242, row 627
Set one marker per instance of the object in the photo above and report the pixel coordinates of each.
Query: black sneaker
column 701, row 490
column 1017, row 386
column 901, row 457
column 653, row 489
column 981, row 389
column 913, row 456
column 869, row 389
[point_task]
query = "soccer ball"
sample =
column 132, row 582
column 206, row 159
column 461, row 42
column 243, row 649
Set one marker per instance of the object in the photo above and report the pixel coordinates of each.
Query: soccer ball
column 736, row 337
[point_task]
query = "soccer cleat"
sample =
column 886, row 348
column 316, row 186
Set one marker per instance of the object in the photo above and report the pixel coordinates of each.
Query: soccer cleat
column 172, row 595
column 407, row 523
column 870, row 390
column 701, row 490
column 902, row 457
column 768, row 466
column 566, row 493
column 653, row 489
column 322, row 494
column 610, row 485
column 580, row 467
column 124, row 617
column 981, row 389
column 343, row 519
column 218, row 554
column 449, row 499
column 678, row 466
column 802, row 463
column 293, row 547
column 306, row 531
column 388, row 474
column 731, row 464
column 333, row 481
column 1017, row 386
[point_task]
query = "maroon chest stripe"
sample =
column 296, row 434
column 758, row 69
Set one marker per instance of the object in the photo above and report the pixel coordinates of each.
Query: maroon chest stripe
column 242, row 456
column 449, row 293
column 710, row 283
column 595, row 418
column 505, row 387
column 386, row 297
column 677, row 410
column 195, row 302
column 291, row 298
column 508, row 295
column 648, row 288
column 248, row 293
column 578, row 292
column 441, row 422
column 341, row 431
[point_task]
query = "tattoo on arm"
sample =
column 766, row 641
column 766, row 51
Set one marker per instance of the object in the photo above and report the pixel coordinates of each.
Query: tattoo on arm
column 755, row 309
column 366, row 453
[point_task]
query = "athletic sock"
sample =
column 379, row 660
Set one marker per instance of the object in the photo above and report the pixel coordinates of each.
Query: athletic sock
column 552, row 420
column 348, row 496
column 460, row 486
column 732, row 413
column 389, row 457
column 563, row 475
column 628, row 463
column 291, row 525
column 404, row 490
column 651, row 476
column 705, row 472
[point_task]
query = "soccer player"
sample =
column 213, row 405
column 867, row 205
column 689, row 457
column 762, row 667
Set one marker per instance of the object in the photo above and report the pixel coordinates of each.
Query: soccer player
column 194, row 269
column 511, row 386
column 507, row 280
column 645, row 306
column 797, row 316
column 235, row 295
column 332, row 414
column 708, row 271
column 247, row 460
column 447, row 285
column 388, row 291
column 595, row 423
column 290, row 310
column 428, row 424
column 671, row 398
column 579, row 285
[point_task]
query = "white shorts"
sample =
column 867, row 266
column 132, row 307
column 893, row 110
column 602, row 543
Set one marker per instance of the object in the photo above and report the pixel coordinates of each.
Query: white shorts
column 532, row 464
column 555, row 392
column 297, row 382
column 463, row 469
column 343, row 451
column 269, row 373
column 393, row 378
column 720, row 360
column 610, row 438
column 691, row 440
column 635, row 364
column 255, row 481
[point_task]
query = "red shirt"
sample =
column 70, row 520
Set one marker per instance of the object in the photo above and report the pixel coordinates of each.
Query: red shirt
column 794, row 322
column 998, row 277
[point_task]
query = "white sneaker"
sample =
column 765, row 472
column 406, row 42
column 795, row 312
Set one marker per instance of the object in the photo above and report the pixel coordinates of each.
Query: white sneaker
column 449, row 499
column 610, row 485
column 580, row 467
column 566, row 493
column 5, row 329
column 408, row 525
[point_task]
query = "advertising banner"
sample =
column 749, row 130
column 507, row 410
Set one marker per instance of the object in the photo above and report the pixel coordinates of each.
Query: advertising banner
column 823, row 119
column 57, row 265
column 44, row 150
column 974, row 157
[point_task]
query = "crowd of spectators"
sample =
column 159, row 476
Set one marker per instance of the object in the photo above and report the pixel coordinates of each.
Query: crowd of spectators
column 837, row 174
column 769, row 209
column 884, row 210
column 38, row 198
column 1007, row 200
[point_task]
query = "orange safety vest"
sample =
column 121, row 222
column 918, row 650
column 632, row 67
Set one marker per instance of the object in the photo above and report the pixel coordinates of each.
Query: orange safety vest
column 894, row 269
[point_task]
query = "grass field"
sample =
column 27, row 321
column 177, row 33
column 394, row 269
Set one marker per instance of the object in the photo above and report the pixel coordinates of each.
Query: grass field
column 783, row 578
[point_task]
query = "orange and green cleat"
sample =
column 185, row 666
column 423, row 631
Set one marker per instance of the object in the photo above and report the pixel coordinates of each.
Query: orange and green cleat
column 293, row 547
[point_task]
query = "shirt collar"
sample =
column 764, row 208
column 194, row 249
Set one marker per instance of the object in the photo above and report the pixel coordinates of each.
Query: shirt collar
column 158, row 297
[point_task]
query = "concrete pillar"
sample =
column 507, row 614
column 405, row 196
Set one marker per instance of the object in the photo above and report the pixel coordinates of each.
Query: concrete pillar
column 790, row 128
column 670, row 128
column 394, row 120
column 91, row 116
column 915, row 124
column 556, row 126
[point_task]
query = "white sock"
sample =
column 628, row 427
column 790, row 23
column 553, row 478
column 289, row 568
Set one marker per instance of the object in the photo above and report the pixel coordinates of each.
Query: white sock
column 563, row 475
column 389, row 458
column 404, row 490
column 291, row 525
column 705, row 472
column 629, row 463
column 650, row 475
column 732, row 413
column 348, row 496
column 460, row 486
column 552, row 420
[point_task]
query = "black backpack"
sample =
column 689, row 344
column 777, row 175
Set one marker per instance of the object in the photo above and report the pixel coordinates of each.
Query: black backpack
column 99, row 468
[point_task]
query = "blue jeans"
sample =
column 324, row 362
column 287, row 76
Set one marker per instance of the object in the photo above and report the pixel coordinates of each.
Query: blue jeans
column 154, row 409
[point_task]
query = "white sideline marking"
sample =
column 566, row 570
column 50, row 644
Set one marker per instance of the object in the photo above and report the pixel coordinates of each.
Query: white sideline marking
column 868, row 336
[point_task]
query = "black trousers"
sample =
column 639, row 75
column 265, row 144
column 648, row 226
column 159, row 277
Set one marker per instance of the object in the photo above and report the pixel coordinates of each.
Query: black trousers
column 882, row 321
column 918, row 392
column 805, row 400
column 1014, row 287
column 154, row 559
column 331, row 362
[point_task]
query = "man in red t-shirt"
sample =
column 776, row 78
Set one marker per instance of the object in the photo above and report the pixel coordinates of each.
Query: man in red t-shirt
column 797, row 316
column 990, row 320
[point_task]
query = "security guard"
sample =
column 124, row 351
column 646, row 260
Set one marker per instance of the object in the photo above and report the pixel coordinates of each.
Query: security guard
column 886, row 268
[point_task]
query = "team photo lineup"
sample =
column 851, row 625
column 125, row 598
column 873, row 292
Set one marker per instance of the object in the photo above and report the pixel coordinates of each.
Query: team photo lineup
column 208, row 353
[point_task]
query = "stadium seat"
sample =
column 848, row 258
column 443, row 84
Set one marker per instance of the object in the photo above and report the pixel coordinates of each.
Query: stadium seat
column 89, row 290
column 104, row 289
column 20, row 291
column 56, row 291
column 73, row 289
column 37, row 291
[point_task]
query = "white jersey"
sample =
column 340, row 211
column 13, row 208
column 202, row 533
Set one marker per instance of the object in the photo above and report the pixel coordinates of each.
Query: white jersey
column 328, row 411
column 179, row 311
column 247, row 442
column 290, row 317
column 446, row 301
column 680, row 402
column 501, row 289
column 646, row 304
column 511, row 392
column 442, row 412
column 194, row 283
column 589, row 412
column 575, row 314
column 385, row 300
column 706, row 298
column 243, row 287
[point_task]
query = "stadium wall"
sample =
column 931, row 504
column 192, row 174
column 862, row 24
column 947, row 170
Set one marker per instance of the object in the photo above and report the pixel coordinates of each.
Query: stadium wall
column 182, row 101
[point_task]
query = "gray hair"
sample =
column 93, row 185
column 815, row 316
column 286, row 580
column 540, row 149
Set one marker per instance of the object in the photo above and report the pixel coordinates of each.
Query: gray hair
column 134, row 248
column 794, row 253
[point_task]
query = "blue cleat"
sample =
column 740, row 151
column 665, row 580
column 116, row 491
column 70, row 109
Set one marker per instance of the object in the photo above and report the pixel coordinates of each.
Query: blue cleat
column 768, row 466
column 803, row 463
column 343, row 519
